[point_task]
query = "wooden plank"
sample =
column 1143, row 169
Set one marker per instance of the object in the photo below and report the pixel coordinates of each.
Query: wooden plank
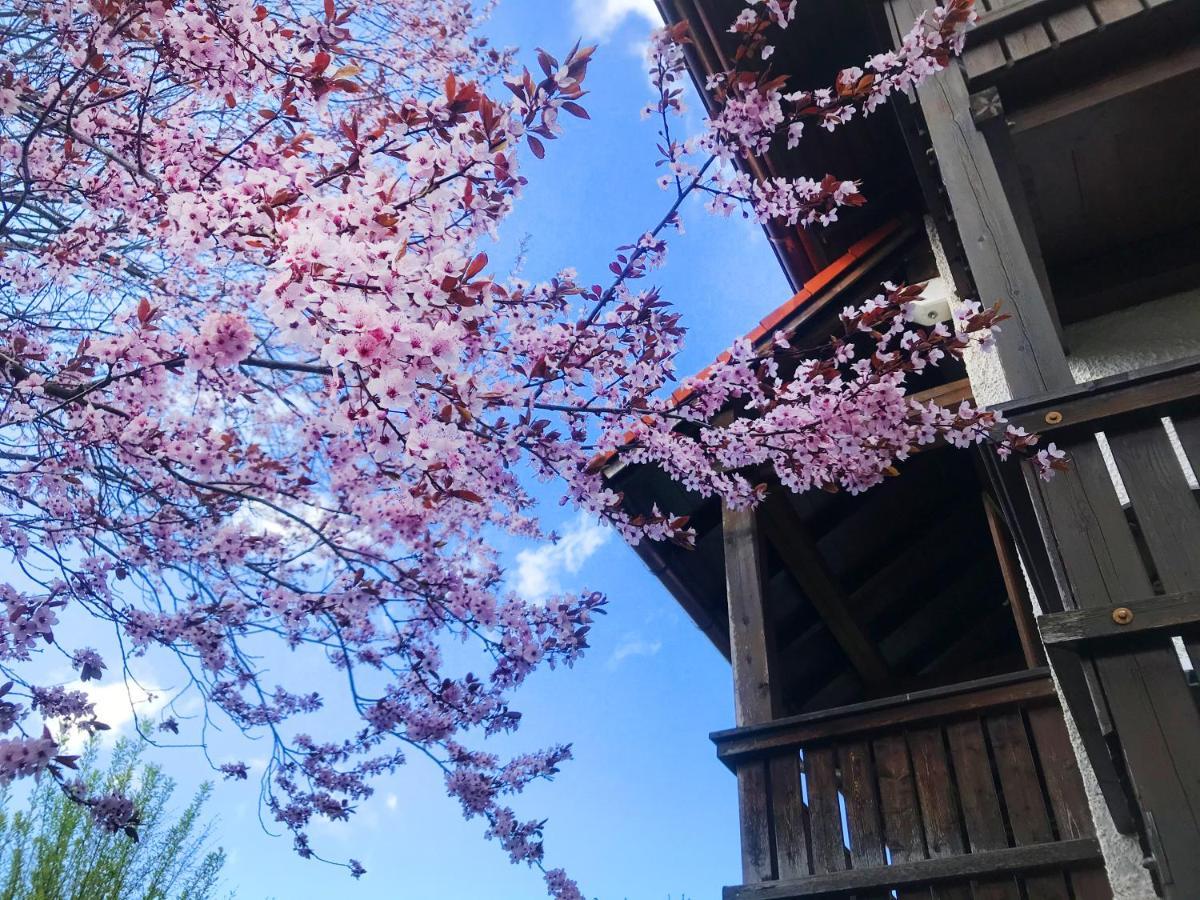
column 1026, row 41
column 1000, row 260
column 824, row 812
column 862, row 805
column 1110, row 11
column 1101, row 403
column 1064, row 787
column 1014, row 585
column 750, row 648
column 1167, row 512
column 807, row 566
column 898, row 807
column 980, row 59
column 790, row 817
column 981, row 810
column 1171, row 613
column 1028, row 816
column 1018, row 688
column 1016, row 860
column 1071, row 23
column 938, row 796
column 755, row 821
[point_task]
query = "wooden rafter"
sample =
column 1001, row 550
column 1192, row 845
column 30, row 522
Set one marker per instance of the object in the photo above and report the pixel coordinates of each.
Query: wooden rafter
column 804, row 562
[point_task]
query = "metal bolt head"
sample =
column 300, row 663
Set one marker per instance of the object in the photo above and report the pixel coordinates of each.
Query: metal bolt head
column 1053, row 417
column 1122, row 615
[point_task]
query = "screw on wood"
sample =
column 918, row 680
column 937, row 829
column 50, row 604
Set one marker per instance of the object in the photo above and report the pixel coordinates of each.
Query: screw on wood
column 1122, row 615
column 1053, row 417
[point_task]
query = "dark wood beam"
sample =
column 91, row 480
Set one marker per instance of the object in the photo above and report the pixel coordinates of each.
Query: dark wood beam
column 1093, row 403
column 968, row 698
column 1171, row 613
column 807, row 566
column 1014, row 586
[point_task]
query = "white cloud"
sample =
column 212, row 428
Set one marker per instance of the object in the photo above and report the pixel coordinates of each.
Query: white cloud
column 116, row 704
column 598, row 19
column 632, row 646
column 538, row 571
column 391, row 801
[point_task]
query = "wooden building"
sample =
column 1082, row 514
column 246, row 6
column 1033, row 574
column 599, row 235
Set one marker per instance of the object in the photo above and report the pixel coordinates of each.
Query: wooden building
column 966, row 683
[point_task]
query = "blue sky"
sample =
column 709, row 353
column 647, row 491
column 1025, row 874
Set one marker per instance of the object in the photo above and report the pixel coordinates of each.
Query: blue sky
column 645, row 811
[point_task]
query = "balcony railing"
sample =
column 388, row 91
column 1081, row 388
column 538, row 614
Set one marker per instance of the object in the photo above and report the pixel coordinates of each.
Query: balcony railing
column 969, row 788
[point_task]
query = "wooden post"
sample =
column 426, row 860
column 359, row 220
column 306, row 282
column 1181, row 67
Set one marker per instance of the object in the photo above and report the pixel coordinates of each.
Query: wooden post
column 754, row 695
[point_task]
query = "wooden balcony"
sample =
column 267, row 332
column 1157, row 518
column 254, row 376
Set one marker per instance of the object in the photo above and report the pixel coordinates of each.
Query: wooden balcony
column 961, row 789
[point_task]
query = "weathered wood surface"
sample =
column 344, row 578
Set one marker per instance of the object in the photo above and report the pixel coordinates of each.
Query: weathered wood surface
column 757, row 864
column 1027, row 812
column 1170, row 614
column 1000, row 260
column 982, row 813
column 938, row 704
column 1016, row 860
column 790, row 815
column 1101, row 403
column 898, row 806
column 937, row 794
column 825, row 817
column 751, row 652
column 862, row 808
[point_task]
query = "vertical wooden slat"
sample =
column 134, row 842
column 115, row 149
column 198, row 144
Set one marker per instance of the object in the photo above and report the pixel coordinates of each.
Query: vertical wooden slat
column 939, row 803
column 1064, row 786
column 1027, row 813
column 862, row 807
column 982, row 815
column 790, row 817
column 824, row 812
column 898, row 804
column 755, row 822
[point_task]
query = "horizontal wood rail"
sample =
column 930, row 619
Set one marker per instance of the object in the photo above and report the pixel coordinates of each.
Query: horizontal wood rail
column 1144, row 392
column 968, row 698
column 1170, row 614
column 925, row 872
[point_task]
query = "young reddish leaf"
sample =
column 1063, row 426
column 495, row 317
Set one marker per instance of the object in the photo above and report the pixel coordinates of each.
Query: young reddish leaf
column 575, row 109
column 330, row 11
column 536, row 146
column 476, row 265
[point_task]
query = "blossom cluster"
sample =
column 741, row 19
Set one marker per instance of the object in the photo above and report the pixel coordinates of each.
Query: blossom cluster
column 260, row 385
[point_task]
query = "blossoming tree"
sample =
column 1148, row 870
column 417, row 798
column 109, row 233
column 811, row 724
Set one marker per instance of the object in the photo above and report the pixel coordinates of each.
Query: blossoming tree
column 259, row 386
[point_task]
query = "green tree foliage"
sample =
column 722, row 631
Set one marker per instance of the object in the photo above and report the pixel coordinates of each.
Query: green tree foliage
column 52, row 849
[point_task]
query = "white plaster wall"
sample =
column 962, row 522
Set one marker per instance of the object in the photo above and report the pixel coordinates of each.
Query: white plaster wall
column 1145, row 335
column 1149, row 334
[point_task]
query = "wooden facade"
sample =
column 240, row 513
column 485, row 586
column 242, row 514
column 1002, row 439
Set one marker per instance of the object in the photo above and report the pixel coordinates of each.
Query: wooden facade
column 898, row 732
